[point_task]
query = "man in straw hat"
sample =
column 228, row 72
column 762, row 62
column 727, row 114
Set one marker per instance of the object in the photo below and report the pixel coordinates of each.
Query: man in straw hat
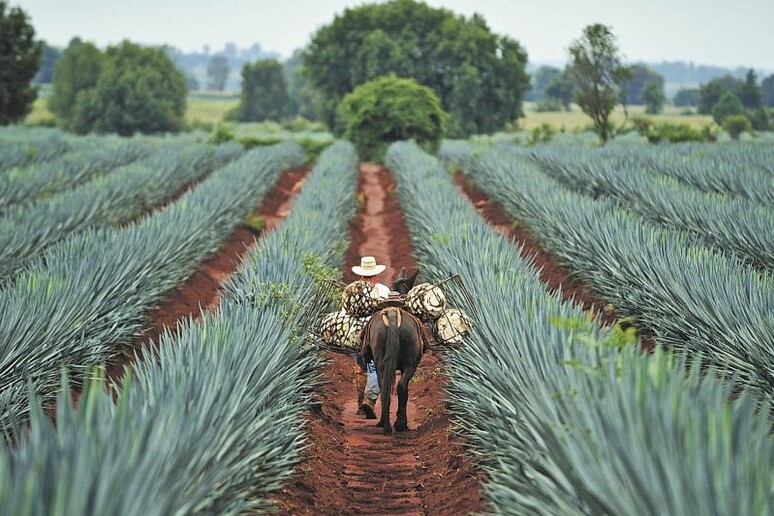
column 366, row 382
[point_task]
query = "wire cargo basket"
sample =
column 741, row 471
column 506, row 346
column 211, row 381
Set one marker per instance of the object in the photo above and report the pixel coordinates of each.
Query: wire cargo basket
column 330, row 324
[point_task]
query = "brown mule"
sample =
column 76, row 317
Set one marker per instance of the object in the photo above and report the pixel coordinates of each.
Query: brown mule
column 393, row 340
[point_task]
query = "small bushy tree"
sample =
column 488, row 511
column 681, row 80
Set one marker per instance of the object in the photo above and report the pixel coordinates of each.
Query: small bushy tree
column 264, row 91
column 653, row 96
column 19, row 62
column 736, row 125
column 760, row 119
column 390, row 109
column 728, row 105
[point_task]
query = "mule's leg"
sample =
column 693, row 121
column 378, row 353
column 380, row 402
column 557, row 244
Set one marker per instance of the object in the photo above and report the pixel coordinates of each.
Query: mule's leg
column 384, row 422
column 401, row 423
column 380, row 423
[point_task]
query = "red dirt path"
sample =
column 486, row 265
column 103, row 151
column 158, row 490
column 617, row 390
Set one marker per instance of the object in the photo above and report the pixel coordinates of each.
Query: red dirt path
column 201, row 290
column 350, row 467
column 553, row 275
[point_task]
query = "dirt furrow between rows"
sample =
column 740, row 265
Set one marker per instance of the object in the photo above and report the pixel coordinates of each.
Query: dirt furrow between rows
column 201, row 291
column 350, row 467
column 551, row 273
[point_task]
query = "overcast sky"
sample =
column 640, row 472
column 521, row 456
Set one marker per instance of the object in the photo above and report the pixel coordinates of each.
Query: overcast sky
column 717, row 32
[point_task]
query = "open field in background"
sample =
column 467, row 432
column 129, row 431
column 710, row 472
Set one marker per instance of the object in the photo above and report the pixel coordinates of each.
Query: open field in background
column 202, row 108
column 210, row 108
column 40, row 115
column 575, row 119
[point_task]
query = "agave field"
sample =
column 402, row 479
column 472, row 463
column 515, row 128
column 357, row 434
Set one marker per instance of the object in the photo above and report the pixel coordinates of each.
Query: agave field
column 561, row 413
column 666, row 271
column 229, row 387
column 566, row 418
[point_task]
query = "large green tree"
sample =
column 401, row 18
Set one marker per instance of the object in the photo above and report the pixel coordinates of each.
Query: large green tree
column 77, row 70
column 596, row 69
column 478, row 76
column 264, row 91
column 19, row 62
column 138, row 89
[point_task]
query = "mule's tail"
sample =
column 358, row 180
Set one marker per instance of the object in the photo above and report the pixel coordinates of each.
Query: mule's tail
column 392, row 348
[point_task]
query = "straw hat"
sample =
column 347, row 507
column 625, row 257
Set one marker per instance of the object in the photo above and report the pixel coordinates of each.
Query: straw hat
column 368, row 267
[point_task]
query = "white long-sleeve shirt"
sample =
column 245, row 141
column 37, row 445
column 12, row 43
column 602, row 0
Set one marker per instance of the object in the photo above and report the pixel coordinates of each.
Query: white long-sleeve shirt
column 384, row 290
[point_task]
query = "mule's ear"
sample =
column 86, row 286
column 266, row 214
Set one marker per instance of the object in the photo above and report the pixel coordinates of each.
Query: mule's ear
column 401, row 274
column 413, row 277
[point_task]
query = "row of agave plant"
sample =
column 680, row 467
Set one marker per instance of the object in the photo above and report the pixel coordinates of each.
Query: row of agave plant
column 692, row 296
column 85, row 298
column 741, row 169
column 731, row 223
column 21, row 146
column 22, row 185
column 211, row 424
column 566, row 416
column 114, row 198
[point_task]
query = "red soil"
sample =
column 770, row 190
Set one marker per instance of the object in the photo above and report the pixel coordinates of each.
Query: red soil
column 201, row 290
column 350, row 467
column 553, row 275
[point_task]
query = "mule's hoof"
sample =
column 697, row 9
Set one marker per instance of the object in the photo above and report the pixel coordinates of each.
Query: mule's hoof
column 387, row 430
column 401, row 425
